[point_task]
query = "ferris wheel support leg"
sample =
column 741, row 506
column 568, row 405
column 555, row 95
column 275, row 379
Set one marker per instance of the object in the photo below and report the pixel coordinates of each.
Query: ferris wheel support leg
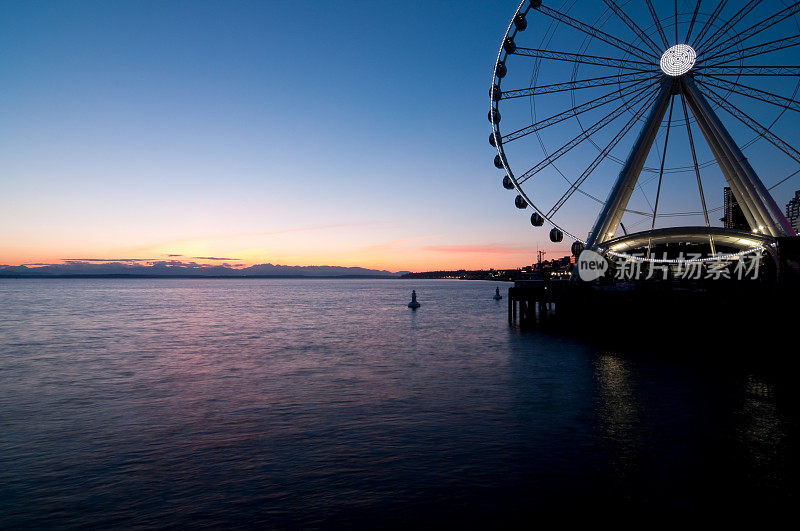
column 727, row 153
column 741, row 186
column 611, row 214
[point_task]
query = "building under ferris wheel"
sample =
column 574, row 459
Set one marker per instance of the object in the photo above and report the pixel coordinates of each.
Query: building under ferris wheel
column 619, row 123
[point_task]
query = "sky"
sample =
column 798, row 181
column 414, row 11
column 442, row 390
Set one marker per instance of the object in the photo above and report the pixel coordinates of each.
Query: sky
column 347, row 133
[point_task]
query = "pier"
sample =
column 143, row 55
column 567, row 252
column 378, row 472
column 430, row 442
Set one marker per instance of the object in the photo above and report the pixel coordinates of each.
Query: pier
column 770, row 301
column 645, row 307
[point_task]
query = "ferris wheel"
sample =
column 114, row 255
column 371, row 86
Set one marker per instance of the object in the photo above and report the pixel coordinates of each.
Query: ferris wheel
column 631, row 119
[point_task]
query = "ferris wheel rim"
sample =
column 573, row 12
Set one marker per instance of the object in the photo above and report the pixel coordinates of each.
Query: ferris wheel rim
column 524, row 7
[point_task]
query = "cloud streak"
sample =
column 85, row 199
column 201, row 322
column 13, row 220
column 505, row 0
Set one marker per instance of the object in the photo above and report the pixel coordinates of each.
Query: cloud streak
column 70, row 260
column 141, row 260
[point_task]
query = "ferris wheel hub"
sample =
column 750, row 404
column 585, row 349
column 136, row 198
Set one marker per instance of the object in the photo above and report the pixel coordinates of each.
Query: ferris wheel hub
column 678, row 60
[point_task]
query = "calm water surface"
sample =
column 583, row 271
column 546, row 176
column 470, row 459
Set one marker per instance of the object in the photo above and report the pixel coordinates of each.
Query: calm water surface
column 283, row 403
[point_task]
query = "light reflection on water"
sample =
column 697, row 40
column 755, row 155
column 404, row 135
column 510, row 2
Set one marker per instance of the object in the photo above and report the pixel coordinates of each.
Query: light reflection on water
column 621, row 419
column 310, row 402
column 763, row 432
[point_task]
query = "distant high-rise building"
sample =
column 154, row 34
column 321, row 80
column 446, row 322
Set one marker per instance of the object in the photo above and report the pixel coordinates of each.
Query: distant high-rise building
column 734, row 217
column 793, row 211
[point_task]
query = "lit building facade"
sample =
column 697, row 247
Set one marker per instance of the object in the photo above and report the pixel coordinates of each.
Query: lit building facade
column 734, row 217
column 793, row 211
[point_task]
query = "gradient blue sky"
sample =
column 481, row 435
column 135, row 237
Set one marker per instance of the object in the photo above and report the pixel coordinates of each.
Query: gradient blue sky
column 341, row 133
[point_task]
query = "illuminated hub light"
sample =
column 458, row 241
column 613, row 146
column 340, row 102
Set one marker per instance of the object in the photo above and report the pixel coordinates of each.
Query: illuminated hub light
column 678, row 60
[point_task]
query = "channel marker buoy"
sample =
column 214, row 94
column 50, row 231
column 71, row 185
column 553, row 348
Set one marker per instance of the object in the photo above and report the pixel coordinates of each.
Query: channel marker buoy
column 413, row 304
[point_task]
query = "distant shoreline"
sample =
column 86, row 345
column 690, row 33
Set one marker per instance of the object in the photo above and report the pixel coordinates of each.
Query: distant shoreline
column 234, row 277
column 122, row 275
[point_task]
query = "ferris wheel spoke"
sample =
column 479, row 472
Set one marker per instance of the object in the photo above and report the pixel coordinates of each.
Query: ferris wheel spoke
column 596, row 33
column 658, row 23
column 639, row 66
column 663, row 161
column 602, row 81
column 575, row 111
column 649, row 204
column 767, row 71
column 632, row 25
column 751, row 92
column 757, row 28
column 575, row 186
column 694, row 161
column 685, row 214
column 710, row 22
column 694, row 18
column 777, row 184
column 566, row 148
column 743, row 12
column 753, row 124
column 676, row 21
column 753, row 51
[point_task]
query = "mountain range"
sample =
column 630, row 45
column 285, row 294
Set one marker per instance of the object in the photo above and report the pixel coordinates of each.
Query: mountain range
column 175, row 268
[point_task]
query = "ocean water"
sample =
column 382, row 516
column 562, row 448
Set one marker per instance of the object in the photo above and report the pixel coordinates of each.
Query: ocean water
column 328, row 403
